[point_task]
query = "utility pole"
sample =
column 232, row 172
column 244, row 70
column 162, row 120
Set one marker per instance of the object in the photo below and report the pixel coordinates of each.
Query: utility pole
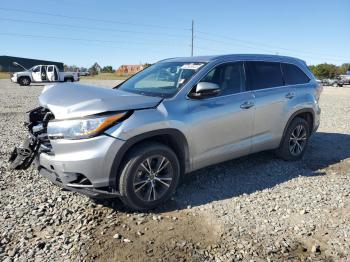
column 192, row 38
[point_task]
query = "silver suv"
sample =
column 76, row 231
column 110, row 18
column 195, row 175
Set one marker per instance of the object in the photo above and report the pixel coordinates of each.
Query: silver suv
column 181, row 114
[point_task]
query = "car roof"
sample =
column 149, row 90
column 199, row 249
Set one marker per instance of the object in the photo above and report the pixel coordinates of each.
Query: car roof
column 196, row 59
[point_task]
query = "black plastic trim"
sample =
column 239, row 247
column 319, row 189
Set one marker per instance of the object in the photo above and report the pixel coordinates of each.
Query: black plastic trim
column 301, row 111
column 179, row 136
column 90, row 192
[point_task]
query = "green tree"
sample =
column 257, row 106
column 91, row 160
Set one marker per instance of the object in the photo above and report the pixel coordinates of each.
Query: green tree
column 93, row 70
column 325, row 70
column 343, row 69
column 107, row 69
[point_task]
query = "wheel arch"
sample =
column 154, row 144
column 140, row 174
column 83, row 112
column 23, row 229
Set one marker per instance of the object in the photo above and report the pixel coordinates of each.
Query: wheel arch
column 307, row 114
column 24, row 76
column 173, row 138
column 66, row 78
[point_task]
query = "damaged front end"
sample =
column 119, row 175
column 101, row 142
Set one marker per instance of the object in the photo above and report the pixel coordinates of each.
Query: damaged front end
column 88, row 173
column 37, row 141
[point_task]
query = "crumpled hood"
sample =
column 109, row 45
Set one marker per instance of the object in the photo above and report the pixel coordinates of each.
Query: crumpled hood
column 73, row 100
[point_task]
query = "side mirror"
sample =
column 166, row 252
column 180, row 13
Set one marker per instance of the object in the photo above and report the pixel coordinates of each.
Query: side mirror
column 205, row 89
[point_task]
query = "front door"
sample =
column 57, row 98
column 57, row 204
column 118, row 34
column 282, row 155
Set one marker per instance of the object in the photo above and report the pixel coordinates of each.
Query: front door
column 221, row 126
column 36, row 74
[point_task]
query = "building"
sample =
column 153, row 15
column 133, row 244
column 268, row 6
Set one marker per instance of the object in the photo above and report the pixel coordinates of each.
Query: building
column 6, row 63
column 129, row 69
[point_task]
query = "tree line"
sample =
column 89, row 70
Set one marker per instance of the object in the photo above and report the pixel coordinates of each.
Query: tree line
column 325, row 71
column 93, row 70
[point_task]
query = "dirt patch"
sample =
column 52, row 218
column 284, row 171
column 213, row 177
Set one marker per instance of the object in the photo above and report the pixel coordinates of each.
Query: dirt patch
column 173, row 236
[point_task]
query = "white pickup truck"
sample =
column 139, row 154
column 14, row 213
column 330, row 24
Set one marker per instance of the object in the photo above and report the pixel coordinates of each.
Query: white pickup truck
column 42, row 74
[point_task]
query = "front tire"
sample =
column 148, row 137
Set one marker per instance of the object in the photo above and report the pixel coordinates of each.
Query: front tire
column 149, row 176
column 295, row 140
column 24, row 81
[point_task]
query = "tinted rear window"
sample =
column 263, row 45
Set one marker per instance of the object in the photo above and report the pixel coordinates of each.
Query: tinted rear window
column 293, row 75
column 264, row 75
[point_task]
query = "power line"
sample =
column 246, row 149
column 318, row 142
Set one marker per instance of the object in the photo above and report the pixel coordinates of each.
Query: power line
column 258, row 44
column 161, row 53
column 225, row 51
column 239, row 44
column 88, row 27
column 77, row 39
column 90, row 19
column 244, row 43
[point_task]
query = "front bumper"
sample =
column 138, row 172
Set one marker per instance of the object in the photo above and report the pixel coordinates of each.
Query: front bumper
column 88, row 191
column 14, row 79
column 82, row 165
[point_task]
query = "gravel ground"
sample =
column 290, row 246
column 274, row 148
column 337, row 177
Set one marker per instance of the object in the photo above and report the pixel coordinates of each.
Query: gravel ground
column 253, row 208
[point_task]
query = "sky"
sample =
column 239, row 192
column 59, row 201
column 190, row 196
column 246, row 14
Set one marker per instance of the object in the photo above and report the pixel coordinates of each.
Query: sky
column 113, row 32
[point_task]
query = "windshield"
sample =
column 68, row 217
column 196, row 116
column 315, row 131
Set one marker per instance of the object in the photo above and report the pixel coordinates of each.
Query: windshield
column 162, row 79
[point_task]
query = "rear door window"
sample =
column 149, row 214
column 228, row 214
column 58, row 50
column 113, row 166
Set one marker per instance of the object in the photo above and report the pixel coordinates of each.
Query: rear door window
column 263, row 75
column 293, row 75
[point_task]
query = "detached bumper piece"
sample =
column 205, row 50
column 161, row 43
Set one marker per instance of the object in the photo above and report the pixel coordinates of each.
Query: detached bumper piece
column 22, row 157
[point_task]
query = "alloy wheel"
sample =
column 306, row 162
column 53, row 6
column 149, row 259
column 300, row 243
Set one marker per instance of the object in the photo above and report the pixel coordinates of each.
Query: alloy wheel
column 297, row 140
column 153, row 178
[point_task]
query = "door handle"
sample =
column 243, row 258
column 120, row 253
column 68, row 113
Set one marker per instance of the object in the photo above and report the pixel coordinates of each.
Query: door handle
column 290, row 95
column 247, row 105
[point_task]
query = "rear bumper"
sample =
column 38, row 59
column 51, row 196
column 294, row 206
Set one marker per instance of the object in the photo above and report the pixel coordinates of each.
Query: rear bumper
column 317, row 119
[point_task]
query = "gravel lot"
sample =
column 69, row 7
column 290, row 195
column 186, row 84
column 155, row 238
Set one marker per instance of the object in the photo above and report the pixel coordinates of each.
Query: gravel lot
column 253, row 208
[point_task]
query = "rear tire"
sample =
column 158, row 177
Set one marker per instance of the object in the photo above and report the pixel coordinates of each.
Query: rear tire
column 24, row 81
column 149, row 176
column 294, row 141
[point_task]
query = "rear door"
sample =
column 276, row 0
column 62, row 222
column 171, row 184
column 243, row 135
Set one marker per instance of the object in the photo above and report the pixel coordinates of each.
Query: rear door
column 272, row 100
column 50, row 73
